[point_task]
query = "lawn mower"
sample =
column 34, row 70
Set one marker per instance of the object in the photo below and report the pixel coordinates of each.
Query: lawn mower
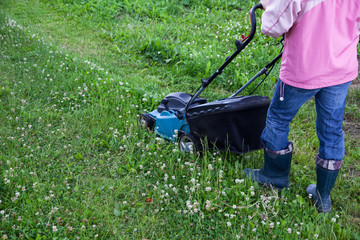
column 234, row 123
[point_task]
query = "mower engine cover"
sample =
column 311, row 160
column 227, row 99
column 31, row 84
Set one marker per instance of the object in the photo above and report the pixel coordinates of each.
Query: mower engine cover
column 169, row 117
column 177, row 101
column 233, row 123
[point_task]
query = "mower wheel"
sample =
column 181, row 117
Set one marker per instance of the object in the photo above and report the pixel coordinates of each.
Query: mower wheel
column 188, row 143
column 145, row 121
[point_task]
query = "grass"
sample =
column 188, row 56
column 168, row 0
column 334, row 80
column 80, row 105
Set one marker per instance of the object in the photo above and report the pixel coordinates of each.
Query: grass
column 74, row 164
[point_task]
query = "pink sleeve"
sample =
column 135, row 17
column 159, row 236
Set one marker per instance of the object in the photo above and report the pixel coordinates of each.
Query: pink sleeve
column 279, row 17
column 358, row 22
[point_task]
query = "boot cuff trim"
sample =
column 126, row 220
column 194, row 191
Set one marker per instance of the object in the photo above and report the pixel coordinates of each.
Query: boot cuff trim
column 328, row 164
column 287, row 150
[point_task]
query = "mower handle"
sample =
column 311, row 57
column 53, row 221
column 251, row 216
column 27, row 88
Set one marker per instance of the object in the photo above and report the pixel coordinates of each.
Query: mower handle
column 239, row 47
column 239, row 43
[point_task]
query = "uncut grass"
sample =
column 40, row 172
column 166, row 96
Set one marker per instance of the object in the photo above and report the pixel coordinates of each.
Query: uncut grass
column 87, row 171
column 166, row 47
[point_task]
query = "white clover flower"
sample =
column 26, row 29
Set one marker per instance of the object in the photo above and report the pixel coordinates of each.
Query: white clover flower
column 228, row 224
column 210, row 167
column 239, row 180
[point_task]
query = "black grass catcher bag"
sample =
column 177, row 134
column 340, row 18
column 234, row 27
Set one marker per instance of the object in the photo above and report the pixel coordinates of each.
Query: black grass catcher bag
column 233, row 123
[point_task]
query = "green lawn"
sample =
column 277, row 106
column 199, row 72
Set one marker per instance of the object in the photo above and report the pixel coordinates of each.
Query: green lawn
column 75, row 74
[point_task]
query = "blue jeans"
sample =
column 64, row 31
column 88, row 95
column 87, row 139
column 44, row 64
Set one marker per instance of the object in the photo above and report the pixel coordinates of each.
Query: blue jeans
column 330, row 105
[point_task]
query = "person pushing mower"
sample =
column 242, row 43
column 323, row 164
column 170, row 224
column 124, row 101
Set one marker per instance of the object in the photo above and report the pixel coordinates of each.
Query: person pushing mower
column 319, row 60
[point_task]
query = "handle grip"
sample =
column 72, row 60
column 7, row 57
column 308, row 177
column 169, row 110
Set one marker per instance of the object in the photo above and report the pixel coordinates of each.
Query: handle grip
column 248, row 39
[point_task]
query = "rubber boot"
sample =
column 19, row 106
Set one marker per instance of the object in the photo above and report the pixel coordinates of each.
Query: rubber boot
column 321, row 190
column 276, row 169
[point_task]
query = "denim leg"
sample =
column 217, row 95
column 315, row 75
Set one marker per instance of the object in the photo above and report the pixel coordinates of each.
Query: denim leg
column 330, row 105
column 281, row 113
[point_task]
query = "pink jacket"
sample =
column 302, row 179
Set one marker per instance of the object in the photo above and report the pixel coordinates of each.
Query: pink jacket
column 321, row 38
